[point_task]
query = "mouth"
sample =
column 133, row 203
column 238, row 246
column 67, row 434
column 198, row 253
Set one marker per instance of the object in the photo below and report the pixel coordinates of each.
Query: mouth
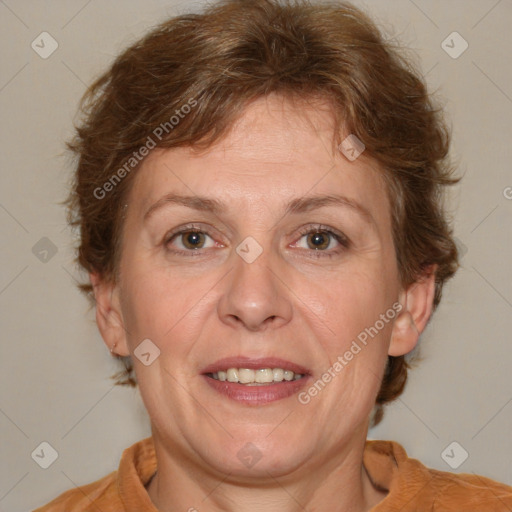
column 256, row 381
column 258, row 377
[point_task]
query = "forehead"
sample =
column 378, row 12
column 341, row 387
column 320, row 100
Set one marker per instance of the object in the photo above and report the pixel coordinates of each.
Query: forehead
column 276, row 150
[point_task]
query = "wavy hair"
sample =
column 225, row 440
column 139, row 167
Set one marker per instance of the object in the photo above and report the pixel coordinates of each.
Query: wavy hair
column 234, row 52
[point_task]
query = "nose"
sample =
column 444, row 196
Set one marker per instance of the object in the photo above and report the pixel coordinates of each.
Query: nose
column 256, row 296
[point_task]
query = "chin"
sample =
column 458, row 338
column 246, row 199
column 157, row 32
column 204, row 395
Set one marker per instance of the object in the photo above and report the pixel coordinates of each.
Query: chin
column 257, row 458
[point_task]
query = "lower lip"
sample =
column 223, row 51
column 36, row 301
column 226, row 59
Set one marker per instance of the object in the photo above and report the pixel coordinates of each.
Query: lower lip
column 257, row 395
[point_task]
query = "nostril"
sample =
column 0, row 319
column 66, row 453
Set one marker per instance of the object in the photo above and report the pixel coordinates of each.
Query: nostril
column 270, row 319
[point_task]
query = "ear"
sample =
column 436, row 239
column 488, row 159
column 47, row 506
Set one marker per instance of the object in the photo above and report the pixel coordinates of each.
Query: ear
column 108, row 315
column 417, row 305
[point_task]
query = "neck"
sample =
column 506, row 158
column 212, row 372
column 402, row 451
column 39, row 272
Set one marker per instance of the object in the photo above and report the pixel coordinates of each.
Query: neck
column 339, row 483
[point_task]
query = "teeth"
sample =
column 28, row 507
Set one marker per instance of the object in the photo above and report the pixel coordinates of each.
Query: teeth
column 288, row 375
column 278, row 374
column 264, row 375
column 255, row 377
column 232, row 374
column 245, row 376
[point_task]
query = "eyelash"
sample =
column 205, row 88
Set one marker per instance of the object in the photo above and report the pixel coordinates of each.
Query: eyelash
column 319, row 228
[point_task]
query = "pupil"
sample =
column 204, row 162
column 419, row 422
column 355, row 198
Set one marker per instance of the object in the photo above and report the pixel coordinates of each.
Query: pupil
column 318, row 240
column 193, row 239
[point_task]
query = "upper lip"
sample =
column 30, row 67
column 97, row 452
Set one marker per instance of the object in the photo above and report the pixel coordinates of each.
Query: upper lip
column 254, row 364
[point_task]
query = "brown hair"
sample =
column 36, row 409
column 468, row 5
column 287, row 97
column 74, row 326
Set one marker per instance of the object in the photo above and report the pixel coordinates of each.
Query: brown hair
column 187, row 81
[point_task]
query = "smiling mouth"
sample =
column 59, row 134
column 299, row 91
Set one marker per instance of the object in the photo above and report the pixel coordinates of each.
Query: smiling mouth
column 257, row 377
column 256, row 381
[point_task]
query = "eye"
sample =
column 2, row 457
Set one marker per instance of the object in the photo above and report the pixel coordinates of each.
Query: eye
column 189, row 239
column 322, row 240
column 318, row 240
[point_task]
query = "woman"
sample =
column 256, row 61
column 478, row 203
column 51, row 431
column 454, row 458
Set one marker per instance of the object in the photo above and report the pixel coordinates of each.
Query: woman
column 258, row 192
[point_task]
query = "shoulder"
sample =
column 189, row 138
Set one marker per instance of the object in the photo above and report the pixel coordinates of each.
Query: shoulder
column 100, row 493
column 455, row 490
column 110, row 493
column 413, row 486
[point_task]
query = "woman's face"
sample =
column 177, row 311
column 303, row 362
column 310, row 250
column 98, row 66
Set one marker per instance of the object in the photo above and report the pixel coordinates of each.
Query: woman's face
column 296, row 262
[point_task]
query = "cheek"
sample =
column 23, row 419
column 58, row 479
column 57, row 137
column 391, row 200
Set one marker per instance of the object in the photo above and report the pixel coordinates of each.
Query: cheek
column 160, row 304
column 348, row 303
column 170, row 306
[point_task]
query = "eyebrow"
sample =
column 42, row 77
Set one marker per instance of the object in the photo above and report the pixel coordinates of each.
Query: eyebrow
column 295, row 206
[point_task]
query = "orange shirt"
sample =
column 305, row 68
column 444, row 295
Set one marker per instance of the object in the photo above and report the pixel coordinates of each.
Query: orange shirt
column 412, row 486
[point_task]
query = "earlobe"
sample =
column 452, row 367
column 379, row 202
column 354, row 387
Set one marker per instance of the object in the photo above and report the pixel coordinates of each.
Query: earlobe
column 417, row 305
column 108, row 315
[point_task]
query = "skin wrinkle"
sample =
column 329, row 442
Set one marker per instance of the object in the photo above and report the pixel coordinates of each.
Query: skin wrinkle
column 285, row 303
column 299, row 205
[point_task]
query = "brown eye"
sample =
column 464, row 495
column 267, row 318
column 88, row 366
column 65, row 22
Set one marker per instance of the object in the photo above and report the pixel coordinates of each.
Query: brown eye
column 192, row 239
column 318, row 240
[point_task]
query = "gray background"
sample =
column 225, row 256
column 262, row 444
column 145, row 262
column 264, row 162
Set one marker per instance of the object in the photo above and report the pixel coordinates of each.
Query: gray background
column 55, row 368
